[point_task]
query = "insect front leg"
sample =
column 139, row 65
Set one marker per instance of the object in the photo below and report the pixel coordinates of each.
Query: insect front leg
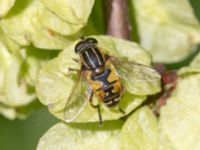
column 91, row 93
column 76, row 60
column 76, row 70
column 73, row 69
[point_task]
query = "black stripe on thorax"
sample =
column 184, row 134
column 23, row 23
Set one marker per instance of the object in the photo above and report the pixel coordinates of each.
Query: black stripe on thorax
column 93, row 58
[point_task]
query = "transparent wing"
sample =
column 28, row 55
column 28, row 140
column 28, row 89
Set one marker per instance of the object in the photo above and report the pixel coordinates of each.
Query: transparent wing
column 77, row 98
column 132, row 71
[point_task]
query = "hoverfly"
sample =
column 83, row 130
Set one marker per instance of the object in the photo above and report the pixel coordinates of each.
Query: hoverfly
column 103, row 74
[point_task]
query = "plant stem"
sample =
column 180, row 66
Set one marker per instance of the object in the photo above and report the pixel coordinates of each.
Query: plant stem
column 116, row 14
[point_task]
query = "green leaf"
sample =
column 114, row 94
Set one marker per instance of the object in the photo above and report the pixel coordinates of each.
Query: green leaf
column 55, row 81
column 140, row 131
column 5, row 6
column 169, row 30
column 82, row 136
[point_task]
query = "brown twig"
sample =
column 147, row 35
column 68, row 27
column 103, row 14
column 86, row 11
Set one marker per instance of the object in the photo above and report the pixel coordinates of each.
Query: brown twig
column 116, row 14
column 168, row 80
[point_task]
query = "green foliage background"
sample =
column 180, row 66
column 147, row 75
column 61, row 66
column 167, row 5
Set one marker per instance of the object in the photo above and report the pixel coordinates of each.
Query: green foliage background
column 24, row 134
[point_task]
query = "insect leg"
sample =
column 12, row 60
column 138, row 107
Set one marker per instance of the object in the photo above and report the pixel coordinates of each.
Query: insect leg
column 121, row 110
column 72, row 69
column 100, row 118
column 76, row 70
column 95, row 106
column 76, row 60
column 123, row 92
column 90, row 98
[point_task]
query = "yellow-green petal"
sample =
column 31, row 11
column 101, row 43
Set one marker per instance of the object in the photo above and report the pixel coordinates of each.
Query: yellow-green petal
column 8, row 112
column 5, row 60
column 16, row 90
column 72, row 11
column 168, row 29
column 13, row 90
column 18, row 71
column 82, row 137
column 52, row 22
column 25, row 25
column 181, row 12
column 5, row 6
column 179, row 124
column 140, row 131
column 194, row 67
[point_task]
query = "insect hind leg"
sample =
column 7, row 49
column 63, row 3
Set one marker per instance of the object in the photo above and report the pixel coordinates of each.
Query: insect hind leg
column 96, row 107
column 123, row 92
column 99, row 113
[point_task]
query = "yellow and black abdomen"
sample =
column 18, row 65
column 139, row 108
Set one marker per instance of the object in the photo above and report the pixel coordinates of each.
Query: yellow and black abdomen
column 106, row 86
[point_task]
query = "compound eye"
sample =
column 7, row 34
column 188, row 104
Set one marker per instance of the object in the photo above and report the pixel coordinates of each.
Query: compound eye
column 92, row 40
column 79, row 46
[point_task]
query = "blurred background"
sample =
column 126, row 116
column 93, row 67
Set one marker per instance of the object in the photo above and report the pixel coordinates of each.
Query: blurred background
column 24, row 134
